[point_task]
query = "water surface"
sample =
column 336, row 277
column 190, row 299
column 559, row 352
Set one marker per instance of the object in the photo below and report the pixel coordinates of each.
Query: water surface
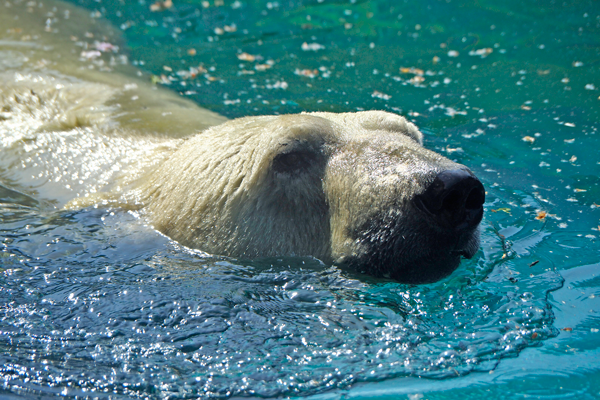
column 95, row 303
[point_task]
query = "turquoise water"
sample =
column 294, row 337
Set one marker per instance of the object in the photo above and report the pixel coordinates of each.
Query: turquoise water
column 96, row 304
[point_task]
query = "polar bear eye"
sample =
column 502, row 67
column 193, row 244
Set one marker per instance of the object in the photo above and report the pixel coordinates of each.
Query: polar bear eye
column 294, row 161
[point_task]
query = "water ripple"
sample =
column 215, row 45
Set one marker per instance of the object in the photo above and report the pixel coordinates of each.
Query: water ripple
column 96, row 302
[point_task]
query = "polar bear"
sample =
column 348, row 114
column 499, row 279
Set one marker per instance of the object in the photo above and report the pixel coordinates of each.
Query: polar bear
column 355, row 189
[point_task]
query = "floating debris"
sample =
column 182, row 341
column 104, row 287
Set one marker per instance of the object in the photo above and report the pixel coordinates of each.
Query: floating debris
column 590, row 86
column 325, row 73
column 155, row 79
column 451, row 112
column 577, row 64
column 246, row 57
column 191, row 73
column 412, row 70
column 161, row 5
column 451, row 150
column 541, row 215
column 191, row 52
column 312, row 46
column 311, row 73
column 478, row 132
column 483, row 53
column 278, row 85
column 528, row 139
column 417, row 79
column 453, row 53
column 380, row 95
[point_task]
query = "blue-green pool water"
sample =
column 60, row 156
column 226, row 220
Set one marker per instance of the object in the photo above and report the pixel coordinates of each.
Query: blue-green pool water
column 93, row 303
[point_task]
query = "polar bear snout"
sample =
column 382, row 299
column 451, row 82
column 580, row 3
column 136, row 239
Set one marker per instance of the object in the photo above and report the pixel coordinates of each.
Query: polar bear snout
column 454, row 200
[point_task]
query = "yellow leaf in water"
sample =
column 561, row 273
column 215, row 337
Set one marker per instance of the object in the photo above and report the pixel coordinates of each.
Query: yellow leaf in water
column 528, row 139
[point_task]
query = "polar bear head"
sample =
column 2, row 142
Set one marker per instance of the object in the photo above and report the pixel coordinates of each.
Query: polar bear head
column 355, row 189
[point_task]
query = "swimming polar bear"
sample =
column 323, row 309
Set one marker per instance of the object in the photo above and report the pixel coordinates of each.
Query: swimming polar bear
column 355, row 189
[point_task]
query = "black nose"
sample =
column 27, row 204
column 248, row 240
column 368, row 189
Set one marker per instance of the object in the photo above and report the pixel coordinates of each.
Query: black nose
column 455, row 199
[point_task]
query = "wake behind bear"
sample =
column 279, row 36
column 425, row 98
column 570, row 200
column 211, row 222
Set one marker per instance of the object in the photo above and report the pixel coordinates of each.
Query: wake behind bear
column 354, row 189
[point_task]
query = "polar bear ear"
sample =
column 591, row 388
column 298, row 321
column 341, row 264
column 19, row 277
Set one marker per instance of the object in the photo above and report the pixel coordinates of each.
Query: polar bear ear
column 381, row 120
